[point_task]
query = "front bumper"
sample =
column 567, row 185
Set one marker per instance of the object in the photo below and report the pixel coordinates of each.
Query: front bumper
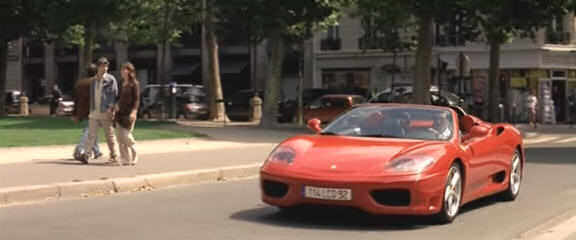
column 424, row 192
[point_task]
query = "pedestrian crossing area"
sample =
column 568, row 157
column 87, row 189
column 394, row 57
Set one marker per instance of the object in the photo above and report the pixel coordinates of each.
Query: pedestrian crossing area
column 563, row 139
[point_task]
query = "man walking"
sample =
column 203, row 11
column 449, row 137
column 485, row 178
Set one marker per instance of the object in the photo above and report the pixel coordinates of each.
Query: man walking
column 572, row 107
column 56, row 95
column 103, row 94
column 82, row 109
column 531, row 106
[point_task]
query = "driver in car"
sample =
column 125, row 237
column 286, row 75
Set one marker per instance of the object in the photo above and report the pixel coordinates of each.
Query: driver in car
column 442, row 128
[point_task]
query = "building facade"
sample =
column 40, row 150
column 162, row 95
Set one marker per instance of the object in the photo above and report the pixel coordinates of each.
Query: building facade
column 342, row 58
column 35, row 66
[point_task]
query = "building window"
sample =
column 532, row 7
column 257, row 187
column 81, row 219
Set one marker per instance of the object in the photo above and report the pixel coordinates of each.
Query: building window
column 450, row 34
column 346, row 79
column 556, row 33
column 332, row 40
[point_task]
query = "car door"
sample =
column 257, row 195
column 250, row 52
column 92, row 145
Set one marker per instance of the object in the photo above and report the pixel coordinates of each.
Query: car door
column 479, row 163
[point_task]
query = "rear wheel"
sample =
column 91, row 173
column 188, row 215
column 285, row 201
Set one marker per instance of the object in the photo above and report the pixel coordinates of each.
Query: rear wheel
column 452, row 195
column 514, row 178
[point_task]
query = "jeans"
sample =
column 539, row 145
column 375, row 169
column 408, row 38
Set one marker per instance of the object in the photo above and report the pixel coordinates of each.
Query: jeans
column 80, row 146
column 108, row 126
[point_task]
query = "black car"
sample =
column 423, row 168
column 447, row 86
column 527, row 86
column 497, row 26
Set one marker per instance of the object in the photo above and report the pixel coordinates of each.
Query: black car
column 403, row 94
column 190, row 102
column 12, row 101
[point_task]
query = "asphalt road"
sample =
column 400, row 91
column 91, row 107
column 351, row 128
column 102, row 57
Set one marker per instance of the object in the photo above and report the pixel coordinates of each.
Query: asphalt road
column 232, row 210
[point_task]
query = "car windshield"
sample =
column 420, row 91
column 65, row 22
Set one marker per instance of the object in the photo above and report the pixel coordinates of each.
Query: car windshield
column 394, row 122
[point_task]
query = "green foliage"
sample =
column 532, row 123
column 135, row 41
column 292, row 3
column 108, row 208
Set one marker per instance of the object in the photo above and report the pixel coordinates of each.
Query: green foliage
column 292, row 20
column 154, row 21
column 17, row 18
column 386, row 24
column 505, row 18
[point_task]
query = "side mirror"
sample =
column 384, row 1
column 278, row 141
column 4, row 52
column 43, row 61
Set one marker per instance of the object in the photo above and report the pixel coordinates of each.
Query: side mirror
column 314, row 125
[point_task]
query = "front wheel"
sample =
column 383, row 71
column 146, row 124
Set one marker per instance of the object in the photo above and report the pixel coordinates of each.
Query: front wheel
column 514, row 178
column 452, row 195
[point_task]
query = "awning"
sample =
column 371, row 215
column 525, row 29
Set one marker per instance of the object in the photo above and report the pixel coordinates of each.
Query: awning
column 232, row 67
column 183, row 69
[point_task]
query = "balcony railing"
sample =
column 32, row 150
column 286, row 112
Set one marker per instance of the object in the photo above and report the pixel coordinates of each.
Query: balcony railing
column 365, row 43
column 330, row 44
column 558, row 37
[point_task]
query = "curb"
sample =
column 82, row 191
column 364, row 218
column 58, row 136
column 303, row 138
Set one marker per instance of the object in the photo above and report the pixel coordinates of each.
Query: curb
column 38, row 193
column 561, row 227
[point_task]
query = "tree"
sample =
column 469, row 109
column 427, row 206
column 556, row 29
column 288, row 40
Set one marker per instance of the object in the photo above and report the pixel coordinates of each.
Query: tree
column 85, row 17
column 17, row 18
column 281, row 23
column 501, row 20
column 394, row 18
column 387, row 27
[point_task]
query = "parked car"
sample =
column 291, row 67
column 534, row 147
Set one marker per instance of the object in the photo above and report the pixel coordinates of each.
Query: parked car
column 65, row 106
column 289, row 108
column 403, row 94
column 190, row 101
column 396, row 159
column 328, row 107
column 12, row 101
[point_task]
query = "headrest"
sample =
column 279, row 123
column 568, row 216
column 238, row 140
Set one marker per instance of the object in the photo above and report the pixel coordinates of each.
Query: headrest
column 469, row 121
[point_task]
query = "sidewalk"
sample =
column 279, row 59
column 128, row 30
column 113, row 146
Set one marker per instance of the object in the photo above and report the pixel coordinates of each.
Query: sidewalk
column 30, row 174
column 530, row 132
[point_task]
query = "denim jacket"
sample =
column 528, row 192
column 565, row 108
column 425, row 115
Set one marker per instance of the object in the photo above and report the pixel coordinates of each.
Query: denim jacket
column 109, row 92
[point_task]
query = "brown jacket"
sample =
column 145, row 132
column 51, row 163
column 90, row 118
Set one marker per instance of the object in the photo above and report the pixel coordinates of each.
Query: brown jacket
column 82, row 99
column 128, row 102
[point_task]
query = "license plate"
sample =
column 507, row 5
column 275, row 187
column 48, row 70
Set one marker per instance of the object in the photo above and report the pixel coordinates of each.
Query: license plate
column 341, row 194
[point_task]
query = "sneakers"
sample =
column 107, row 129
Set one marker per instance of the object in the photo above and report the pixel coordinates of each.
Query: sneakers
column 84, row 158
column 97, row 155
column 113, row 162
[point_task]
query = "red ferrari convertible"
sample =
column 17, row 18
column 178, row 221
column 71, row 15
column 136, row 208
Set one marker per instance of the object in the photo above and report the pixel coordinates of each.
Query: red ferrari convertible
column 396, row 159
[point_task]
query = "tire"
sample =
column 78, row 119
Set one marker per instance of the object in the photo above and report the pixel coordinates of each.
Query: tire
column 514, row 178
column 452, row 197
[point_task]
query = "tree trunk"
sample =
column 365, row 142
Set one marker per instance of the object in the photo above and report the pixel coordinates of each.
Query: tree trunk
column 3, row 68
column 300, row 108
column 273, row 82
column 422, row 74
column 218, row 112
column 88, row 47
column 494, row 80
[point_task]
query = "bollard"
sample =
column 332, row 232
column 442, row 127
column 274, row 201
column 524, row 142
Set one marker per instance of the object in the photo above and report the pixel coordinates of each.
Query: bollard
column 255, row 108
column 24, row 109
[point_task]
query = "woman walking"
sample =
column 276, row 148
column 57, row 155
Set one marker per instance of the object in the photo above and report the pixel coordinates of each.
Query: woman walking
column 126, row 111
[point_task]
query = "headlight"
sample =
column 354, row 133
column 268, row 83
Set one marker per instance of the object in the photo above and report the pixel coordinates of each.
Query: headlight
column 410, row 164
column 282, row 154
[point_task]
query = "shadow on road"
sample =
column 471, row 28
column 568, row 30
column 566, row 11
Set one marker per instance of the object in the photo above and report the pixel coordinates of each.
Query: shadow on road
column 337, row 218
column 330, row 219
column 558, row 155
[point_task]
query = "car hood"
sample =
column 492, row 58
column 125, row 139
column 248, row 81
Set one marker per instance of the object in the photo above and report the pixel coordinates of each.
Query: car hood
column 356, row 155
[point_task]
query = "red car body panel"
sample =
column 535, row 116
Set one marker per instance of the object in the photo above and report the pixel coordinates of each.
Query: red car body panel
column 359, row 164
